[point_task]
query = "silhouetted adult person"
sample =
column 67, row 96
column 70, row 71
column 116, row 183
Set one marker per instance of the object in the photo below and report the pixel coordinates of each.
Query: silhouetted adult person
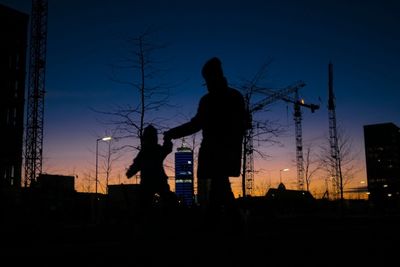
column 221, row 116
column 153, row 179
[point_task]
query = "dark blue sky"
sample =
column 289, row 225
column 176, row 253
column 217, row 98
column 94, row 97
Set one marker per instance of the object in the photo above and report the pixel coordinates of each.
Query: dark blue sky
column 361, row 38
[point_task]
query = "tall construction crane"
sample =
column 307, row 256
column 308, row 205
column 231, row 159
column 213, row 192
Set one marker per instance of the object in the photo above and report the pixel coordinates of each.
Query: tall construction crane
column 36, row 91
column 282, row 94
column 333, row 138
column 298, row 103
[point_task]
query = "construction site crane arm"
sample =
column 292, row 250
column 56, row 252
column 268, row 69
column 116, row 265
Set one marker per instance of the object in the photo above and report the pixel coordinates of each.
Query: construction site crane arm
column 300, row 102
column 281, row 94
column 272, row 96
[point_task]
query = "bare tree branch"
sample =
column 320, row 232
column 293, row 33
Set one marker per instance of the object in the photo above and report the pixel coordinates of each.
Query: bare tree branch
column 141, row 65
column 347, row 159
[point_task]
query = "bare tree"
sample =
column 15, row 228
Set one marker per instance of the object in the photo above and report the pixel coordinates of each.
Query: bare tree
column 347, row 159
column 261, row 187
column 311, row 165
column 86, row 180
column 109, row 156
column 141, row 64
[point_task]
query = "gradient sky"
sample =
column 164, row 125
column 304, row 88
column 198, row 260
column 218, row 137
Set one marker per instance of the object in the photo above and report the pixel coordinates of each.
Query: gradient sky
column 361, row 38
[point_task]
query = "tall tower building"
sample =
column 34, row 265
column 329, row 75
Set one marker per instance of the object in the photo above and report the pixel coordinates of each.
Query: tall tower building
column 13, row 47
column 382, row 152
column 184, row 175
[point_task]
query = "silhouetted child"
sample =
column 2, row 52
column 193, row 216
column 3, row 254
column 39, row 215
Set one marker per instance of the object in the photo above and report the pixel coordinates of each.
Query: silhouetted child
column 153, row 179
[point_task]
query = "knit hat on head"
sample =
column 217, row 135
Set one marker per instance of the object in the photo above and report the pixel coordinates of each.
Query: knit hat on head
column 212, row 69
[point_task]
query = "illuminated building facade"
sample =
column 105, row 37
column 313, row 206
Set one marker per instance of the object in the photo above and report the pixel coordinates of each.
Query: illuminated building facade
column 184, row 175
column 13, row 47
column 382, row 151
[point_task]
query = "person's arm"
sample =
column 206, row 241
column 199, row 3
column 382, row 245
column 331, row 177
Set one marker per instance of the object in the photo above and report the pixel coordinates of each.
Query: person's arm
column 191, row 127
column 166, row 148
column 134, row 167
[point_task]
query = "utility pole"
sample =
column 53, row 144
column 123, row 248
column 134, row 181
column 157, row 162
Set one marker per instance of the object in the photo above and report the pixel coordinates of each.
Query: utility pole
column 36, row 91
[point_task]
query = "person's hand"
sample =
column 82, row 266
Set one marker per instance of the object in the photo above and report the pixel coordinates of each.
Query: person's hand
column 168, row 145
column 129, row 174
column 167, row 136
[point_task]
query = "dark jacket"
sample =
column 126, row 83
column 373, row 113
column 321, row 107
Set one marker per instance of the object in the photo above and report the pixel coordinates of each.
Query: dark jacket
column 149, row 161
column 222, row 118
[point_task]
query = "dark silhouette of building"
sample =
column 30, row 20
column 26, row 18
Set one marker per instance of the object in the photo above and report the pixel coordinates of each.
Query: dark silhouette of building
column 382, row 152
column 184, row 175
column 51, row 198
column 122, row 201
column 56, row 184
column 290, row 201
column 13, row 47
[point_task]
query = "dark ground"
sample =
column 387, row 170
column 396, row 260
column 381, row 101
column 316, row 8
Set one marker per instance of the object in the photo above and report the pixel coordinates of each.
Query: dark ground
column 322, row 236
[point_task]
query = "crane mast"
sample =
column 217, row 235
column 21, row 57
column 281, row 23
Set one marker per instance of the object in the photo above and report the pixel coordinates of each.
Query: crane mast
column 248, row 161
column 298, row 103
column 333, row 138
column 299, row 142
column 36, row 91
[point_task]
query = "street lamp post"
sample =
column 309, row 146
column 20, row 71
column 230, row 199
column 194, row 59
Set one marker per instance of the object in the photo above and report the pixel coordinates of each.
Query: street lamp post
column 107, row 138
column 280, row 174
